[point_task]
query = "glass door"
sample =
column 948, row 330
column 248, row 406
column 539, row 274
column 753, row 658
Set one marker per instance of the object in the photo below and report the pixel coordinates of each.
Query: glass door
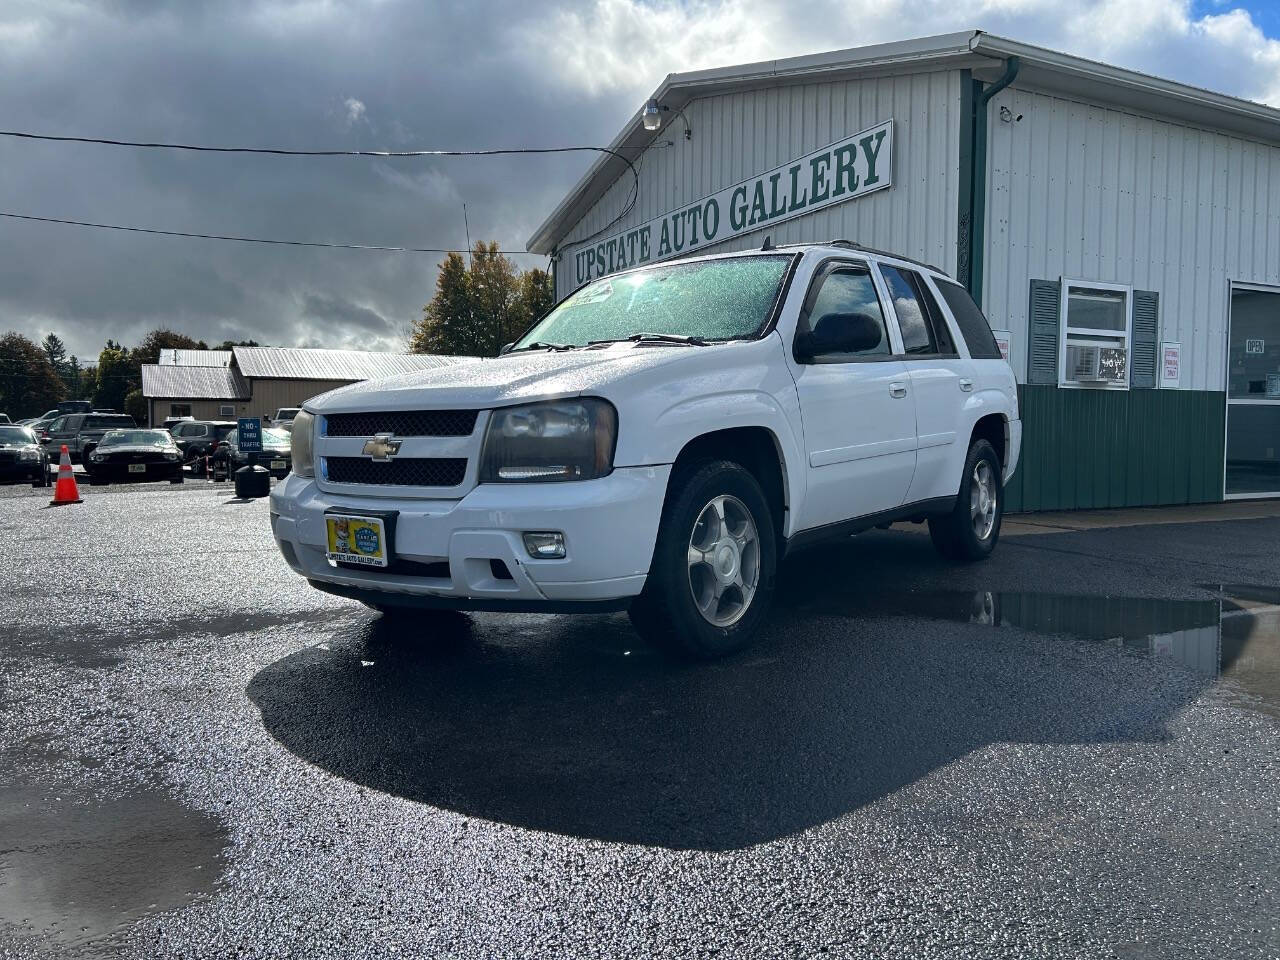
column 1253, row 393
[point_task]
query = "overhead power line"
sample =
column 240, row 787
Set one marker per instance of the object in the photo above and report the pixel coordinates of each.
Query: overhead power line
column 220, row 236
column 282, row 152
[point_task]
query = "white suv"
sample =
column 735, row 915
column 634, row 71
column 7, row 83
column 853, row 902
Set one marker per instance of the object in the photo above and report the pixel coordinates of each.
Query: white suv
column 659, row 441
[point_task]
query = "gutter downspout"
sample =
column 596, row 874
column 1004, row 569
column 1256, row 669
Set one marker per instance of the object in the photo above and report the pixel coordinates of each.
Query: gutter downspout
column 978, row 193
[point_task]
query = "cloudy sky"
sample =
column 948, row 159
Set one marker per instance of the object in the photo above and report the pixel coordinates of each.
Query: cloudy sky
column 406, row 75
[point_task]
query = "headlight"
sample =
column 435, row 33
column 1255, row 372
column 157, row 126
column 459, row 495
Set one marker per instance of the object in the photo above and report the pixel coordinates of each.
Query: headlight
column 97, row 457
column 559, row 440
column 302, row 445
column 29, row 453
column 173, row 455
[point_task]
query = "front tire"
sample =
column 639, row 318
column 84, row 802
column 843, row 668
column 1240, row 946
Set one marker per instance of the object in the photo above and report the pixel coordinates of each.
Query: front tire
column 711, row 581
column 970, row 531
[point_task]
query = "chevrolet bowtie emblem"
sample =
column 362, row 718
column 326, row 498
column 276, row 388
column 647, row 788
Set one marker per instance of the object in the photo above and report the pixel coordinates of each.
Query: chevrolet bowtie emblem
column 383, row 446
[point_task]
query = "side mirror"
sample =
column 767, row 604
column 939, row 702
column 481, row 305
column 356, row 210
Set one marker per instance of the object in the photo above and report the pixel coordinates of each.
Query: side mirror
column 839, row 333
column 506, row 348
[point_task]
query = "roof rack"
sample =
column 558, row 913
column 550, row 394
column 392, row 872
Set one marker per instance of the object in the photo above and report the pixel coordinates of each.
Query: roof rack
column 862, row 248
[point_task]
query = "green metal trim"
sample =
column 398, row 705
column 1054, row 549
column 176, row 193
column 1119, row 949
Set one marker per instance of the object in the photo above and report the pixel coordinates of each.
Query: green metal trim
column 964, row 218
column 1090, row 449
column 979, row 214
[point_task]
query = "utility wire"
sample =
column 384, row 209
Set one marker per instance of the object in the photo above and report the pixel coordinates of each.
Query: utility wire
column 219, row 236
column 281, row 152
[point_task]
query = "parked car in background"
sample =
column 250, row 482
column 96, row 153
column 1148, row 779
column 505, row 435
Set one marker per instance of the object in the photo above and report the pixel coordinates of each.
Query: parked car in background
column 122, row 455
column 73, row 406
column 284, row 417
column 275, row 456
column 82, row 431
column 22, row 457
column 198, row 438
column 171, row 422
column 4, row 418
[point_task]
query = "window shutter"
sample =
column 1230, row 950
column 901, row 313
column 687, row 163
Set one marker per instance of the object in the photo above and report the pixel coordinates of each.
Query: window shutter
column 1146, row 326
column 1042, row 325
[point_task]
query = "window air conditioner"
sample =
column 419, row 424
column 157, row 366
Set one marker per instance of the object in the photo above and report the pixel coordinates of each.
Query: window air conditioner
column 1082, row 362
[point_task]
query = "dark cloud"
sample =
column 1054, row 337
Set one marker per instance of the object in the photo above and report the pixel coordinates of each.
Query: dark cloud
column 399, row 73
column 301, row 74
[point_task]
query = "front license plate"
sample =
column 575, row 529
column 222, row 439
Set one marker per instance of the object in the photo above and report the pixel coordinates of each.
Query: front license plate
column 277, row 464
column 137, row 468
column 359, row 540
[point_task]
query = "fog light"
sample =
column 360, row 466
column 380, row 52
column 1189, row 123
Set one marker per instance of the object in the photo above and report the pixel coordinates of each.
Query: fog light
column 545, row 546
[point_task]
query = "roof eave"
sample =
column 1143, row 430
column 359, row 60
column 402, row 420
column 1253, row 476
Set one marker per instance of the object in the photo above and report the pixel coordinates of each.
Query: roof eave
column 1077, row 77
column 677, row 89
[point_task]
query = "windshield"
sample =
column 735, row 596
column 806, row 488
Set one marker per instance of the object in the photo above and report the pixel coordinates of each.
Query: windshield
column 725, row 299
column 135, row 438
column 16, row 435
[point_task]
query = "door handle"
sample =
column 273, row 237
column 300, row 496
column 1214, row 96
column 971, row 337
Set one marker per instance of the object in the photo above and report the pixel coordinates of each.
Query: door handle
column 898, row 390
column 966, row 385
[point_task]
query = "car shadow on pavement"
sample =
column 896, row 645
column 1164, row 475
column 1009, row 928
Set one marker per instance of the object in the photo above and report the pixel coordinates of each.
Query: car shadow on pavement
column 572, row 725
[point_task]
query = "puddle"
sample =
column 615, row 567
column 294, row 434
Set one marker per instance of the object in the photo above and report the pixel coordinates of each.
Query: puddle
column 78, row 870
column 1234, row 637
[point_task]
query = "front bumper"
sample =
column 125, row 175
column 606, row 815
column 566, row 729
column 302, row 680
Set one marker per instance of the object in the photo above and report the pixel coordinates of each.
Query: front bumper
column 609, row 526
column 29, row 470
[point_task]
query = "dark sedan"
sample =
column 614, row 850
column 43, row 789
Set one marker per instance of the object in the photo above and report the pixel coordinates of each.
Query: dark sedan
column 134, row 455
column 22, row 458
column 275, row 456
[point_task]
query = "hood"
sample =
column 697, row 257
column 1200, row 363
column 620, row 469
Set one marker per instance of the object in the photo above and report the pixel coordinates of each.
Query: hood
column 515, row 378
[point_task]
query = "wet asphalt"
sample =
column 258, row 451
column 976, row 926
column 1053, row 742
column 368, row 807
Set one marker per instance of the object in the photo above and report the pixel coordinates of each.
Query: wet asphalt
column 1069, row 750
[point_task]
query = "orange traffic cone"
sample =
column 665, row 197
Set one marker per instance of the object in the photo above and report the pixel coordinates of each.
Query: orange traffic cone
column 66, row 491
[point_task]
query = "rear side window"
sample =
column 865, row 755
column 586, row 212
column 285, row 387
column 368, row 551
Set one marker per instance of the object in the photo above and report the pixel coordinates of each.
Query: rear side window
column 973, row 325
column 923, row 329
column 109, row 423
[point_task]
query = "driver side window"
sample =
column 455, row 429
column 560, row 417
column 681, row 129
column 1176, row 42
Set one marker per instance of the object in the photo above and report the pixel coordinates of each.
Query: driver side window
column 845, row 317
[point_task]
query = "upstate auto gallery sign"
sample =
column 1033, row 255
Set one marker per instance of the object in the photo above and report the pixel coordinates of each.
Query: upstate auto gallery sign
column 845, row 170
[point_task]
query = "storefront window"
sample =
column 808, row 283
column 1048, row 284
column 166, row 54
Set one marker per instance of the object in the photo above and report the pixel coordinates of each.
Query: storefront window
column 179, row 409
column 1096, row 322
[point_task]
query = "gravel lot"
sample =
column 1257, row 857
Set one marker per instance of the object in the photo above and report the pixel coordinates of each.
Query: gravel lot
column 202, row 756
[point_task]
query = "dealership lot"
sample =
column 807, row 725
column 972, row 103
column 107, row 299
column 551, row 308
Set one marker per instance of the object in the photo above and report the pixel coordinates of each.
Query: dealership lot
column 1069, row 750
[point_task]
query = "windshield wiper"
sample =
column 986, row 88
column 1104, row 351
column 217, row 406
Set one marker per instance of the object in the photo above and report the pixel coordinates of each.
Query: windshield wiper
column 542, row 345
column 655, row 338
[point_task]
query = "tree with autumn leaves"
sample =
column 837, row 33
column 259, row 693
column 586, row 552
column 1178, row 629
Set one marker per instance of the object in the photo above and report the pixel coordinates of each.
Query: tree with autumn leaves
column 479, row 308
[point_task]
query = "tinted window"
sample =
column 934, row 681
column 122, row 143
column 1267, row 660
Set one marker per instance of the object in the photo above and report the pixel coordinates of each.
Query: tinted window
column 847, row 302
column 222, row 433
column 973, row 325
column 914, row 322
column 109, row 422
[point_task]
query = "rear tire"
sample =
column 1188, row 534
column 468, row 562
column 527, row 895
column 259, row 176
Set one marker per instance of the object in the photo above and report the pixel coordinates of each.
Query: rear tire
column 970, row 531
column 711, row 580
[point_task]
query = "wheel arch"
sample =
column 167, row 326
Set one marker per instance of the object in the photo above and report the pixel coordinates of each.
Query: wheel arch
column 758, row 449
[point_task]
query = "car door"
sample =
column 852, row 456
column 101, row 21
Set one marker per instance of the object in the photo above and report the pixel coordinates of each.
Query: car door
column 64, row 430
column 940, row 381
column 855, row 399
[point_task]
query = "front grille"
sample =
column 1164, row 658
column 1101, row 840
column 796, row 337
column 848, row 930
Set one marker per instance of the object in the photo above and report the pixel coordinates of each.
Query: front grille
column 8, row 456
column 409, row 472
column 402, row 423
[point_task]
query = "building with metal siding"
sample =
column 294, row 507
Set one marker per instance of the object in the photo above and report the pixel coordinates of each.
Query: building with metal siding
column 258, row 381
column 1057, row 189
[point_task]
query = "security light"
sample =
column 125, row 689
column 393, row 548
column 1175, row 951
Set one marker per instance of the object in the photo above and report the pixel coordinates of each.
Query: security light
column 652, row 115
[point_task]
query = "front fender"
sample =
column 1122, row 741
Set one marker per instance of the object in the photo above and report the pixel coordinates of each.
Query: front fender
column 675, row 425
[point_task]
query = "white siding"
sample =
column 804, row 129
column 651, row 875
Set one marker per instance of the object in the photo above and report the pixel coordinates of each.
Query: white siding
column 1087, row 192
column 739, row 135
